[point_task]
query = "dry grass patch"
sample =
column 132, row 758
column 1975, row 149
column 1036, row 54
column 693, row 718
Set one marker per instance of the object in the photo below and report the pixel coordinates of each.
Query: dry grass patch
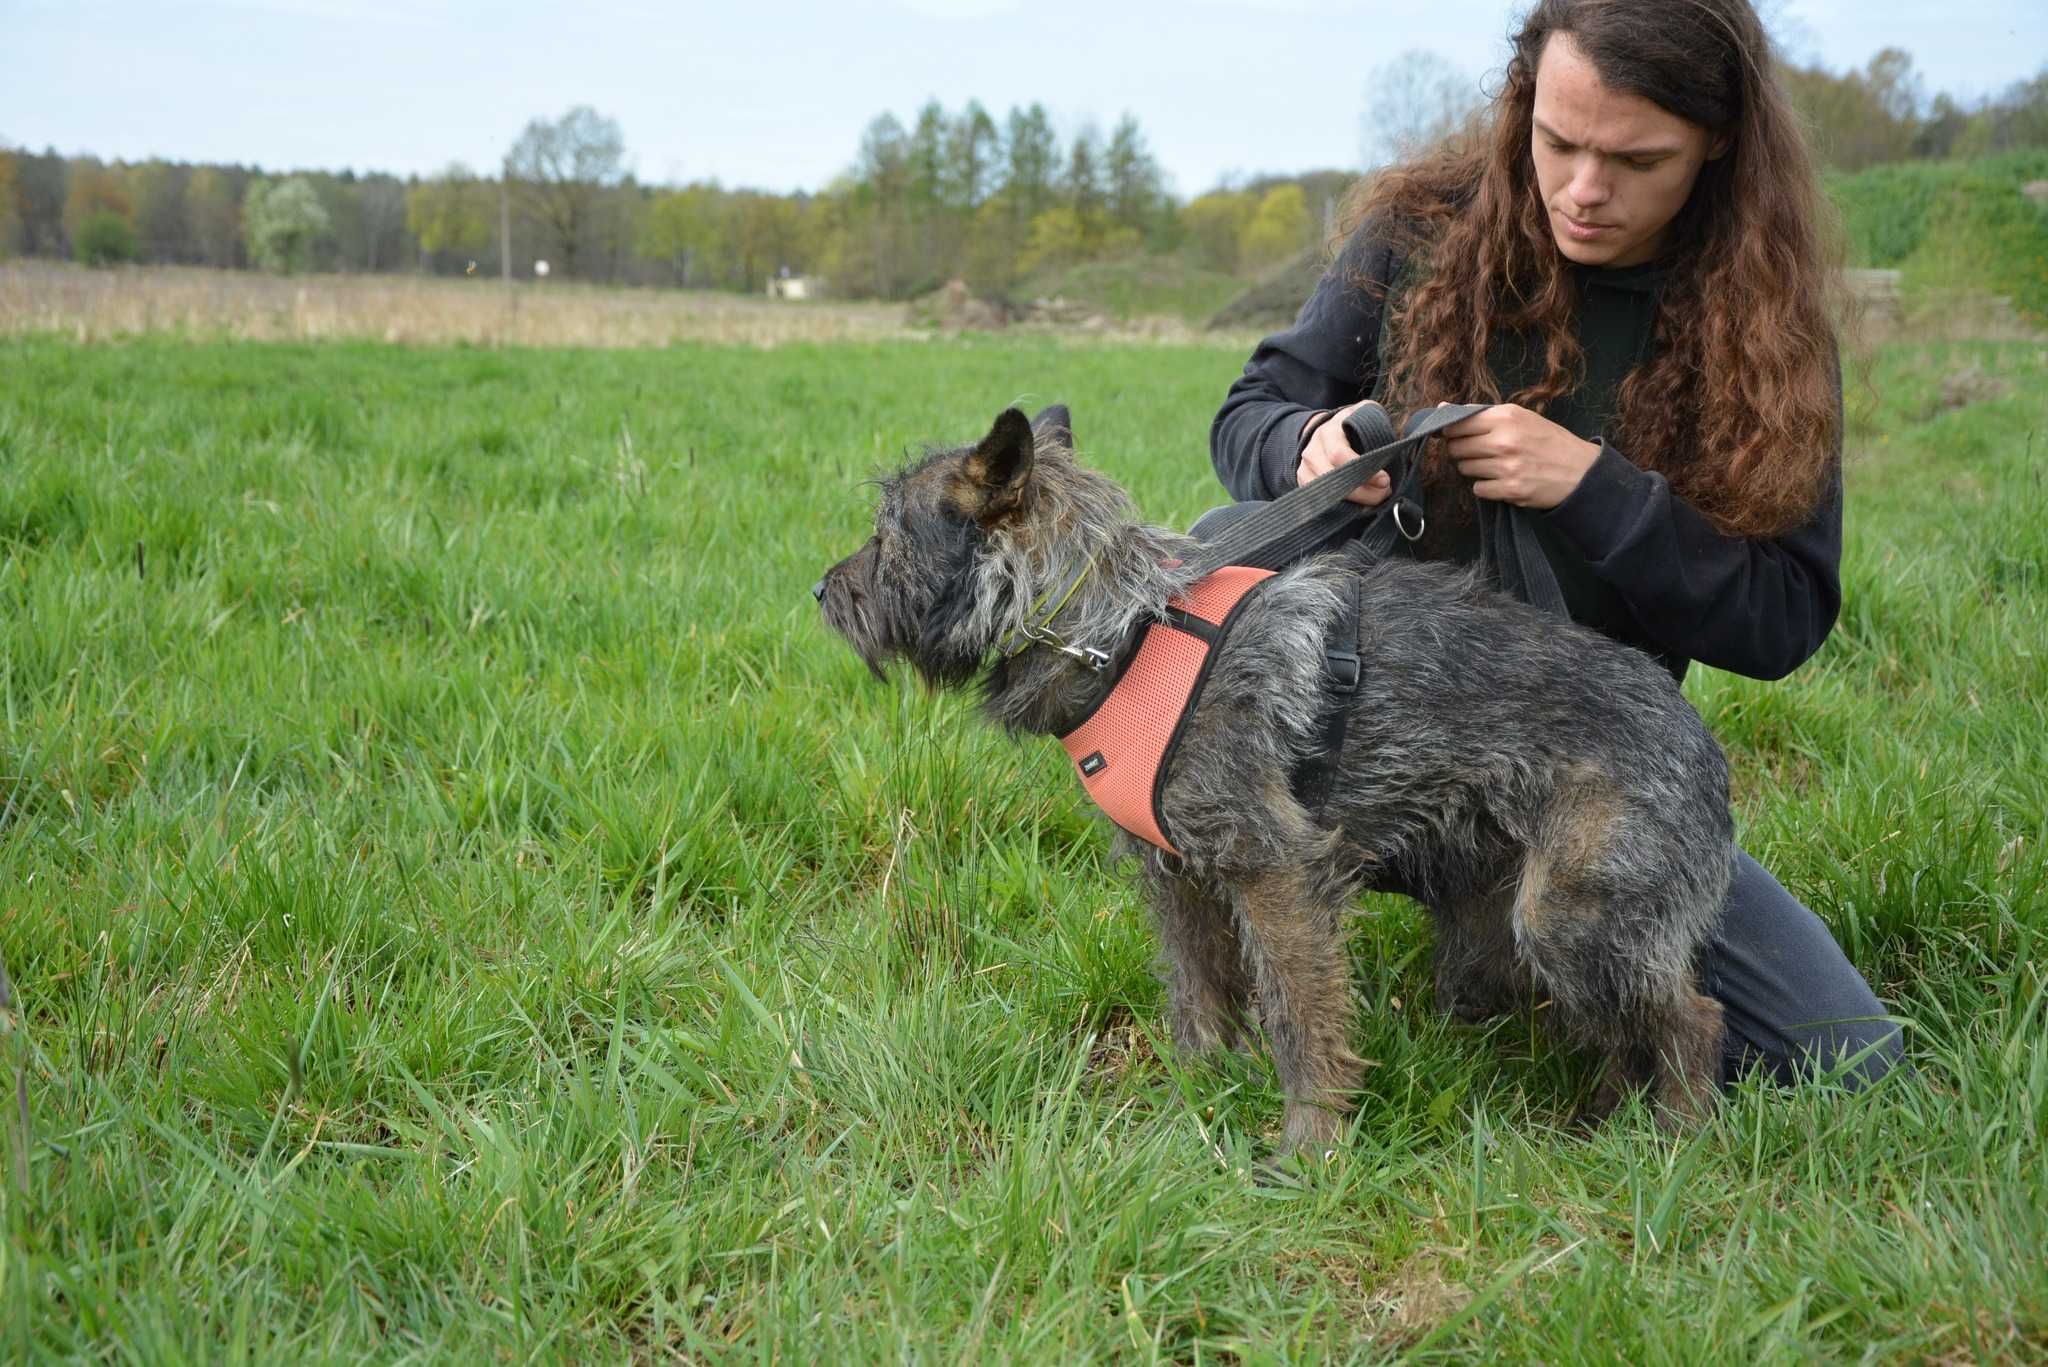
column 101, row 305
column 98, row 305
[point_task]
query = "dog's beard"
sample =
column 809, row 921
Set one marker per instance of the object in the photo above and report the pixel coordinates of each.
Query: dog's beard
column 943, row 640
column 848, row 615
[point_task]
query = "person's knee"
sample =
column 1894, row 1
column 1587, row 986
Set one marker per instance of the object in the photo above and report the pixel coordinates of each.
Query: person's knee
column 1858, row 1053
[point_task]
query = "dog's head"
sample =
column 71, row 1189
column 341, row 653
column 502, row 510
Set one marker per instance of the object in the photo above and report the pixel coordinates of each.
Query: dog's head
column 917, row 591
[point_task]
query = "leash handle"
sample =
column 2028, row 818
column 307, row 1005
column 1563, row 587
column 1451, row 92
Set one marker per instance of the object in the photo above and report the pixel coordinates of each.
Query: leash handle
column 1368, row 428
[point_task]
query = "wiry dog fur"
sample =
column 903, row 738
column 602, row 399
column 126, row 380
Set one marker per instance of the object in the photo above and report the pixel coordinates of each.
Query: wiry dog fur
column 1546, row 793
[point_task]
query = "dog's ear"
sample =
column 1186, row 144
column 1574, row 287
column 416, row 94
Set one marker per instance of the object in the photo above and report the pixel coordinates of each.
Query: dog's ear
column 1057, row 423
column 998, row 467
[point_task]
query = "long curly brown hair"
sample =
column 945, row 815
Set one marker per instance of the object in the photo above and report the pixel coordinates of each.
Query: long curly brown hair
column 1737, row 406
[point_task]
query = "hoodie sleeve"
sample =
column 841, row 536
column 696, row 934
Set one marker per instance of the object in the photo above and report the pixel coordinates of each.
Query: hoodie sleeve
column 1758, row 606
column 1328, row 359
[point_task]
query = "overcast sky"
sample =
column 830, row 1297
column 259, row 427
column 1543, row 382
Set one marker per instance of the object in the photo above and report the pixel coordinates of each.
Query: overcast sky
column 775, row 95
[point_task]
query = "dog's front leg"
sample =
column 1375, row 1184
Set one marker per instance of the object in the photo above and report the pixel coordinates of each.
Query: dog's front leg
column 1297, row 957
column 1207, row 981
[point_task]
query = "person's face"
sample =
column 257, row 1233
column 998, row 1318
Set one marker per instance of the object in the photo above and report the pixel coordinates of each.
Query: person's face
column 1614, row 169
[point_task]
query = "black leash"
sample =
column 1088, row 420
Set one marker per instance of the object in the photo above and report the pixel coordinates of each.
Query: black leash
column 1279, row 533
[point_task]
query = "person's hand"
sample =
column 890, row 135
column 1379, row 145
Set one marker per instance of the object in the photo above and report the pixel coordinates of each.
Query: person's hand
column 1328, row 448
column 1515, row 456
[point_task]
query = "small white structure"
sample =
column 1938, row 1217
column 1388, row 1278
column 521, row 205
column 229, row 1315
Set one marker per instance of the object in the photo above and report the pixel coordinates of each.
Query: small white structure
column 540, row 269
column 783, row 285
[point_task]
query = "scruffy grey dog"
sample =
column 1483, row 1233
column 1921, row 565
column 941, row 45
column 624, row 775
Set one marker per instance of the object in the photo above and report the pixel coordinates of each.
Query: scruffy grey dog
column 1546, row 793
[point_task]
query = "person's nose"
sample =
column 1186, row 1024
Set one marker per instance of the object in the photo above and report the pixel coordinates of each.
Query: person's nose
column 1589, row 186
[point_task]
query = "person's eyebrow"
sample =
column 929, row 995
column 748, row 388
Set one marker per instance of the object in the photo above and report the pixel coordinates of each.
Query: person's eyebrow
column 1645, row 152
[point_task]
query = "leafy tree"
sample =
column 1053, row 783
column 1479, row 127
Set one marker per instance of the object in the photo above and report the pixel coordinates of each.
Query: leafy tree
column 926, row 157
column 1279, row 229
column 41, row 184
column 995, row 246
column 1082, row 183
column 376, row 239
column 10, row 216
column 681, row 230
column 885, row 159
column 1033, row 160
column 105, row 239
column 283, row 221
column 560, row 170
column 212, row 216
column 1862, row 118
column 971, row 158
column 1942, row 129
column 1058, row 237
column 1131, row 177
column 765, row 236
column 95, row 189
column 452, row 213
column 2019, row 116
column 936, row 225
column 1215, row 223
column 615, row 227
column 157, row 189
column 879, row 213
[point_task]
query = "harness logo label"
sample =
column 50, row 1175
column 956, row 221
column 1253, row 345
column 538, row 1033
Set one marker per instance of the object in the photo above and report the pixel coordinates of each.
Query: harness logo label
column 1092, row 765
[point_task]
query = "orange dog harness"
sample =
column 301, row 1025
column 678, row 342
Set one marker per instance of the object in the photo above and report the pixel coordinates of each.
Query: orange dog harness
column 1125, row 748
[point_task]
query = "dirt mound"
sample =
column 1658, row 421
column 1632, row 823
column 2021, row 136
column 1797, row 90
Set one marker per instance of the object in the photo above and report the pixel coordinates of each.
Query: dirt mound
column 955, row 308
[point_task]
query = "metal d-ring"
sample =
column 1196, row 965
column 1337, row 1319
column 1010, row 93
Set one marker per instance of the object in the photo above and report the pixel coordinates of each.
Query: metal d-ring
column 1421, row 523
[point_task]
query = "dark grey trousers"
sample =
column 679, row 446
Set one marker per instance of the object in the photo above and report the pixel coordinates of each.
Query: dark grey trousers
column 1793, row 1003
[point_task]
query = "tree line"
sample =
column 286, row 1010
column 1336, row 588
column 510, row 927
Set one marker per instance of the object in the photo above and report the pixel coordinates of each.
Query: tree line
column 951, row 193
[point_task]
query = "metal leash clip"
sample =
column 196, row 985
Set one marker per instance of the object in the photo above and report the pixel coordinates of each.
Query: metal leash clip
column 1095, row 659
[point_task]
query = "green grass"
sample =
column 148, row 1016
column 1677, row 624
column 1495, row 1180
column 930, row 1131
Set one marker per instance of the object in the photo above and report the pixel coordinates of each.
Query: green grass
column 1887, row 211
column 1141, row 285
column 463, row 904
column 1952, row 225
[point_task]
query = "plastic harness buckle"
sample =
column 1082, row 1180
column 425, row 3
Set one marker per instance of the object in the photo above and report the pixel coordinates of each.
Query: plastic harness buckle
column 1343, row 668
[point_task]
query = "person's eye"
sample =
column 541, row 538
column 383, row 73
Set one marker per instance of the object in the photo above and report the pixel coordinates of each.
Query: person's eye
column 1637, row 165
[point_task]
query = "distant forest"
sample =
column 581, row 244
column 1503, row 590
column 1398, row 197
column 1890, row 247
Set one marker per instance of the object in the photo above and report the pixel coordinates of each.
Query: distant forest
column 952, row 194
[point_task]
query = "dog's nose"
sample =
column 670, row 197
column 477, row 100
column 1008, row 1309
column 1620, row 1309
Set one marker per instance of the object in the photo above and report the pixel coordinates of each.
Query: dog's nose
column 818, row 591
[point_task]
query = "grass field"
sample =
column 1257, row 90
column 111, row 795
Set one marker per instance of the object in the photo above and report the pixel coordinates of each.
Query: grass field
column 461, row 902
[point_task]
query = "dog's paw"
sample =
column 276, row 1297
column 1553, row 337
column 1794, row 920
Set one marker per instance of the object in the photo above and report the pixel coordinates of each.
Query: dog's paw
column 1471, row 1004
column 1291, row 1167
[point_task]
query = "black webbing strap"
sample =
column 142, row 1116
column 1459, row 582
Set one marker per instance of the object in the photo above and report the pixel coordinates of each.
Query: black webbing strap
column 1291, row 526
column 1507, row 546
column 1308, row 517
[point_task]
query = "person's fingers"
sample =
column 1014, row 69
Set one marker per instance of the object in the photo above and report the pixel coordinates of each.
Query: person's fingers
column 1325, row 453
column 1485, row 467
column 1373, row 492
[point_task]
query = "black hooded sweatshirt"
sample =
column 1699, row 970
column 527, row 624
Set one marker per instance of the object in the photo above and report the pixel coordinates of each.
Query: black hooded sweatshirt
column 1634, row 561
